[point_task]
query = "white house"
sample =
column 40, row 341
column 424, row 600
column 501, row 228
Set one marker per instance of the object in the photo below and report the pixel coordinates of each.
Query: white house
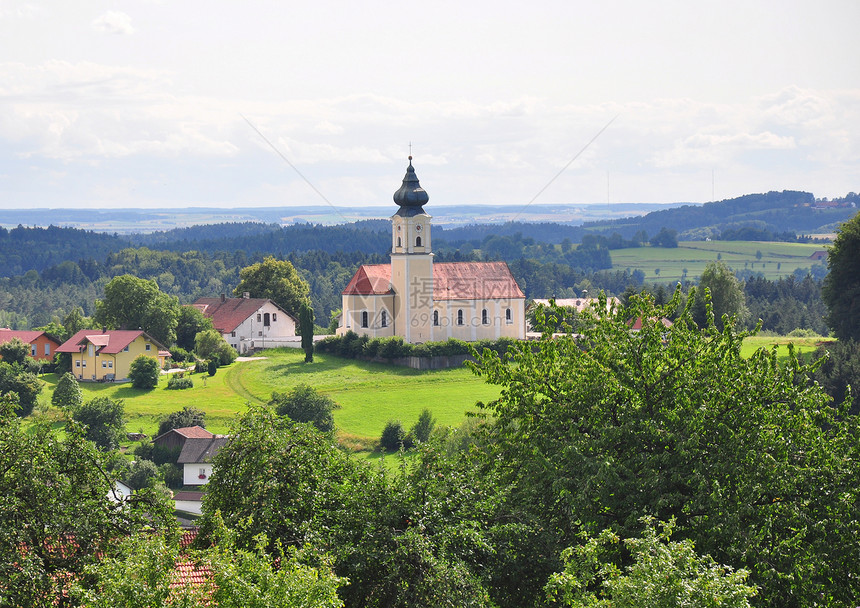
column 196, row 458
column 250, row 323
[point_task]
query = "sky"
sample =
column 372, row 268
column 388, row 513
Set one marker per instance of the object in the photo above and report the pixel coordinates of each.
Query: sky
column 189, row 103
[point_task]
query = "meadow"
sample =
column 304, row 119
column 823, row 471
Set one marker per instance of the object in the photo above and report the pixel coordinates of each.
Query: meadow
column 369, row 394
column 688, row 260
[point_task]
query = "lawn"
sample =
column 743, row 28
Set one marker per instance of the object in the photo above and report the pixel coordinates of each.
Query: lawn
column 801, row 345
column 777, row 259
column 370, row 394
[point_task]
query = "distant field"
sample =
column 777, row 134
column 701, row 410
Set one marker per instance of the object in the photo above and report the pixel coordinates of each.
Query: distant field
column 777, row 259
column 801, row 345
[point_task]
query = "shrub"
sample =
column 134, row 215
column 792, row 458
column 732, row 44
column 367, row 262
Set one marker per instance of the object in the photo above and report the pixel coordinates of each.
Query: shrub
column 180, row 355
column 392, row 436
column 394, row 347
column 179, row 382
column 144, row 372
column 68, row 393
column 143, row 474
column 200, row 367
column 14, row 351
column 226, row 354
column 172, row 475
column 304, row 404
column 212, row 367
column 422, row 429
column 103, row 418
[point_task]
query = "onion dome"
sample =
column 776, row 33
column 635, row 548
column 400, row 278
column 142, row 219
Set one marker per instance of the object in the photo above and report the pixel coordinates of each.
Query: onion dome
column 411, row 196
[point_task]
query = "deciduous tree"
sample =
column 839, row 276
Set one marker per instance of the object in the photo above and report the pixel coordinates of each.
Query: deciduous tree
column 304, row 404
column 102, row 418
column 277, row 280
column 131, row 303
column 187, row 416
column 841, row 290
column 597, row 431
column 726, row 293
column 189, row 323
column 14, row 351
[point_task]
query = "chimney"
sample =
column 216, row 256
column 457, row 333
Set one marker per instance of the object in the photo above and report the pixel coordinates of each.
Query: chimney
column 246, row 294
column 223, row 297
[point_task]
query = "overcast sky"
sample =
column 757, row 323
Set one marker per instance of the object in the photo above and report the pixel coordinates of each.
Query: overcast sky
column 141, row 104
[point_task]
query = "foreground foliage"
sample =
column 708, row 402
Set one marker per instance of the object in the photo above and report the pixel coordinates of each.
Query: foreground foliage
column 746, row 455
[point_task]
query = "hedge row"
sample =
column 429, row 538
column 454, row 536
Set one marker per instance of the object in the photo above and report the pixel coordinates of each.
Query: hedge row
column 353, row 346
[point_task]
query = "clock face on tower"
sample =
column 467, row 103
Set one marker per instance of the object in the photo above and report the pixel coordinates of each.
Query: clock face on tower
column 418, row 227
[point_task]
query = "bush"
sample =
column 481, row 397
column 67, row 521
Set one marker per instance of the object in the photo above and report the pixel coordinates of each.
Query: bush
column 142, row 474
column 172, row 475
column 68, row 393
column 226, row 354
column 392, row 436
column 144, row 372
column 201, row 367
column 304, row 404
column 178, row 382
column 212, row 367
column 180, row 355
column 103, row 418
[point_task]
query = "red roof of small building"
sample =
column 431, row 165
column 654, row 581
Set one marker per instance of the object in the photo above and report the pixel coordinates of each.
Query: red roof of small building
column 370, row 279
column 26, row 336
column 229, row 313
column 189, row 432
column 109, row 342
column 451, row 281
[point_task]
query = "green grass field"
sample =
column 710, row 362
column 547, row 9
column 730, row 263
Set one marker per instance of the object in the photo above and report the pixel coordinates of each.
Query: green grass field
column 777, row 259
column 370, row 394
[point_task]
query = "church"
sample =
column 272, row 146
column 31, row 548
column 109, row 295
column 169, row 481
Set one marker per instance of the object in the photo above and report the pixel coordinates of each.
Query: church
column 425, row 302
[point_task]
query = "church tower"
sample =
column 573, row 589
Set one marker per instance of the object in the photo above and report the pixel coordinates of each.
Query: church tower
column 412, row 261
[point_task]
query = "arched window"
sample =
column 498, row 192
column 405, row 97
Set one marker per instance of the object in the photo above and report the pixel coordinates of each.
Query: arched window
column 364, row 319
column 460, row 317
column 436, row 318
column 266, row 318
column 418, row 241
column 509, row 318
column 485, row 317
column 383, row 319
column 398, row 242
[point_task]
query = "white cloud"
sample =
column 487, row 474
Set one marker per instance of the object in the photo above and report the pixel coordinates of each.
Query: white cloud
column 113, row 22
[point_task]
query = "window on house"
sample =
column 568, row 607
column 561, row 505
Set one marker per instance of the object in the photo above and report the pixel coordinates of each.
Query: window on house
column 508, row 316
column 110, row 364
column 274, row 317
column 364, row 318
column 83, row 363
column 125, row 350
column 266, row 319
column 436, row 318
column 90, row 350
column 259, row 317
column 232, row 334
column 104, row 364
column 383, row 319
column 485, row 317
column 47, row 350
column 32, row 350
column 460, row 317
column 259, row 334
column 149, row 347
column 77, row 363
column 418, row 241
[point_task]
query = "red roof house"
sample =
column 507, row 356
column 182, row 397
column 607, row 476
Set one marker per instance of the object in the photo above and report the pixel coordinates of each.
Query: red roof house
column 42, row 346
column 107, row 354
column 249, row 323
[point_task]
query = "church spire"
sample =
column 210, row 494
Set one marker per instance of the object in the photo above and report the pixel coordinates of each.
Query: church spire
column 411, row 196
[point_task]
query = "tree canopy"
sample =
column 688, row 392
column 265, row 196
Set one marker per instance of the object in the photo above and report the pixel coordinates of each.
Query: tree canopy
column 102, row 418
column 131, row 303
column 276, row 280
column 747, row 455
column 14, row 351
column 841, row 290
column 304, row 404
column 726, row 294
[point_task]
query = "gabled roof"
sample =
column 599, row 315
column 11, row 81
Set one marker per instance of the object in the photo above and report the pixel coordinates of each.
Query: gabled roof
column 188, row 432
column 201, row 450
column 229, row 313
column 109, row 342
column 474, row 281
column 370, row 279
column 26, row 336
column 451, row 281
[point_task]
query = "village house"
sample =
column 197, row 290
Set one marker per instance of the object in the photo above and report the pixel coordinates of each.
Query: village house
column 106, row 355
column 42, row 346
column 249, row 323
column 196, row 458
column 419, row 300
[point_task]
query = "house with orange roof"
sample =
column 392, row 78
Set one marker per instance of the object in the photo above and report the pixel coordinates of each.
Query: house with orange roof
column 249, row 323
column 100, row 355
column 42, row 346
column 421, row 301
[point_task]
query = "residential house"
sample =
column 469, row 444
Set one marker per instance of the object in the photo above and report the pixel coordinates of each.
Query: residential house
column 196, row 458
column 420, row 300
column 249, row 324
column 174, row 439
column 42, row 346
column 107, row 354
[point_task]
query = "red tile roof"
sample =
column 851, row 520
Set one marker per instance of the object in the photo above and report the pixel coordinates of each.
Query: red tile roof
column 230, row 313
column 474, row 281
column 189, row 432
column 370, row 279
column 108, row 342
column 26, row 336
column 451, row 281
